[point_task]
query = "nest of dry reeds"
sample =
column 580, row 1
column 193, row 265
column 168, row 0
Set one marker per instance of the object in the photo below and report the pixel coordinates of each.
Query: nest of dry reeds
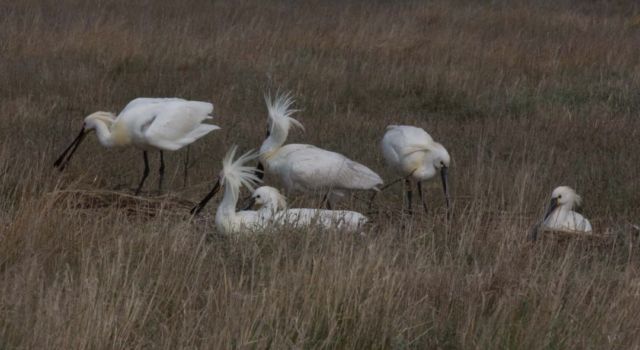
column 575, row 235
column 132, row 205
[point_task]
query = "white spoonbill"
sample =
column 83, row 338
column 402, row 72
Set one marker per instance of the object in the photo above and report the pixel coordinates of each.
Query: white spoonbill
column 274, row 210
column 416, row 157
column 307, row 168
column 233, row 176
column 162, row 124
column 560, row 215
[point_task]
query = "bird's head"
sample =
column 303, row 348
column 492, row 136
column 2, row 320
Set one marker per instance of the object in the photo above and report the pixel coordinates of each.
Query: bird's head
column 234, row 174
column 280, row 112
column 89, row 124
column 92, row 120
column 441, row 158
column 267, row 196
column 563, row 196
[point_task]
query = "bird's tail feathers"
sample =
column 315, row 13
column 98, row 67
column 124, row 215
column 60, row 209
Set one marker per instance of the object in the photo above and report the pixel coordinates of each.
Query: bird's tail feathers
column 202, row 108
column 202, row 130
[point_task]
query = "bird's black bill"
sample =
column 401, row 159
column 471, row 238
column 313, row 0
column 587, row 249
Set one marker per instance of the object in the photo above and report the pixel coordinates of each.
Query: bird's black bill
column 198, row 208
column 445, row 185
column 64, row 158
column 259, row 172
column 552, row 206
column 248, row 203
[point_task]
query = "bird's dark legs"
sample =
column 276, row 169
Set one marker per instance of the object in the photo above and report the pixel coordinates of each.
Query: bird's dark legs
column 424, row 204
column 327, row 201
column 373, row 197
column 186, row 168
column 145, row 173
column 161, row 172
column 407, row 183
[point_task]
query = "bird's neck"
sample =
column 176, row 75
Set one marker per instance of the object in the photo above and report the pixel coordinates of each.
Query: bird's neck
column 277, row 137
column 111, row 133
column 561, row 212
column 226, row 212
column 268, row 210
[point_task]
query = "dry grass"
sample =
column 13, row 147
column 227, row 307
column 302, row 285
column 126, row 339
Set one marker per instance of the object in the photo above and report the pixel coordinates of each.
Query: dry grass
column 526, row 95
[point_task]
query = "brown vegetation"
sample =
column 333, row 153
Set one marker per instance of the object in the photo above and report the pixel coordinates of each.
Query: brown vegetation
column 526, row 95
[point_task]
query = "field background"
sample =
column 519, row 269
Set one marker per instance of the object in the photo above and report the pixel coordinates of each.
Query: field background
column 526, row 95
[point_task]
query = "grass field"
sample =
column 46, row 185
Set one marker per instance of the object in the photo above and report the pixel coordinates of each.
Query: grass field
column 526, row 96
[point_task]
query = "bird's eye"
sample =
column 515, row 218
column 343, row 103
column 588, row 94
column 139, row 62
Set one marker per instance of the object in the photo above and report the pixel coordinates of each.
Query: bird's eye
column 560, row 196
column 442, row 163
column 258, row 196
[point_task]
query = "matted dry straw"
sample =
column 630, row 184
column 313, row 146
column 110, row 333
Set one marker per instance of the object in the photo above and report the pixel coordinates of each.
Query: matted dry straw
column 133, row 205
column 571, row 235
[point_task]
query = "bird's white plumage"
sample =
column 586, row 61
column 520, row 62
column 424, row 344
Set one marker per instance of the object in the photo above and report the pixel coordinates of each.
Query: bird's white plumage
column 413, row 154
column 409, row 150
column 307, row 168
column 235, row 174
column 162, row 124
column 275, row 213
column 165, row 124
column 563, row 218
column 145, row 101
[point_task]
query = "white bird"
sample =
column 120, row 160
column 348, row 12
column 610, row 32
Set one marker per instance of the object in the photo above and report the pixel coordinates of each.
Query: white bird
column 412, row 153
column 274, row 211
column 233, row 176
column 162, row 124
column 560, row 215
column 306, row 168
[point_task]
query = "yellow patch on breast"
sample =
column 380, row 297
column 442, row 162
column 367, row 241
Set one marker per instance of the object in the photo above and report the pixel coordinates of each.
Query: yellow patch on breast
column 412, row 164
column 120, row 135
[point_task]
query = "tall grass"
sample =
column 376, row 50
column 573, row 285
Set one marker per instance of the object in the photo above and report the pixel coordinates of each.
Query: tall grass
column 526, row 95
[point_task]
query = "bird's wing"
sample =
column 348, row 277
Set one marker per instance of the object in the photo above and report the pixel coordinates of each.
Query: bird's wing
column 328, row 219
column 177, row 124
column 149, row 101
column 402, row 140
column 315, row 168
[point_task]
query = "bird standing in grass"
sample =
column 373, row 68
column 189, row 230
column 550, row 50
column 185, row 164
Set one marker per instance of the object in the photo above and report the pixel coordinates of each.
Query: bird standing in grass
column 150, row 124
column 274, row 209
column 306, row 168
column 416, row 157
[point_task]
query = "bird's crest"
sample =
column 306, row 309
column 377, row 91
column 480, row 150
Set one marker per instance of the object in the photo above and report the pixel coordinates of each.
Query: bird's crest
column 281, row 200
column 280, row 111
column 235, row 173
column 569, row 193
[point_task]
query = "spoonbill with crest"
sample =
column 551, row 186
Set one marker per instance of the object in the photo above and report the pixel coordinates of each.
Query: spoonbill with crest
column 560, row 215
column 306, row 168
column 160, row 124
column 233, row 176
column 416, row 157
